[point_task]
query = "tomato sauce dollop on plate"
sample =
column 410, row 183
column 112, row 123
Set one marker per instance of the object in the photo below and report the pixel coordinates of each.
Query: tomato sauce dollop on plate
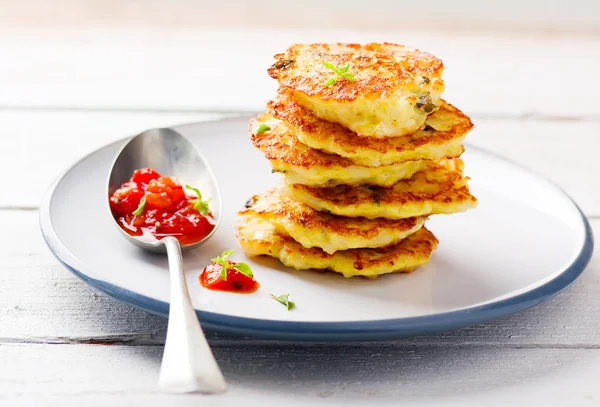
column 235, row 281
column 152, row 204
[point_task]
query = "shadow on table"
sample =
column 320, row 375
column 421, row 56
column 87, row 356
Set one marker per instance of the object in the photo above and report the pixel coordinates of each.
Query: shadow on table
column 445, row 365
column 386, row 370
column 523, row 348
column 406, row 369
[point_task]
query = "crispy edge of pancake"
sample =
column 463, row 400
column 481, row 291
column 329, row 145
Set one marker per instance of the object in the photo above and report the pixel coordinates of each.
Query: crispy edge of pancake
column 445, row 202
column 337, row 139
column 442, row 191
column 258, row 237
column 328, row 232
column 378, row 69
column 280, row 144
column 304, row 165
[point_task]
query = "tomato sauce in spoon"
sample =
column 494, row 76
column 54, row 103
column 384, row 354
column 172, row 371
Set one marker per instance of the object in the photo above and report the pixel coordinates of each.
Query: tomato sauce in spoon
column 152, row 204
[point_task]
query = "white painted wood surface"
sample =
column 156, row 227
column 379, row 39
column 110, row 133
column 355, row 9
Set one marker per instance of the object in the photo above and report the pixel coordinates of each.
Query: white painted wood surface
column 303, row 375
column 66, row 89
column 224, row 68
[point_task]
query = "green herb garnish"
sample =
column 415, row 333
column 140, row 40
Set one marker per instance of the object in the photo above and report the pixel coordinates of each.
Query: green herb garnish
column 339, row 72
column 199, row 205
column 285, row 300
column 241, row 267
column 244, row 269
column 140, row 208
column 262, row 128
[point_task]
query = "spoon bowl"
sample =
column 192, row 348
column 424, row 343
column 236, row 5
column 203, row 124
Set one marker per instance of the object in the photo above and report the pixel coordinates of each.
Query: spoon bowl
column 169, row 153
column 188, row 364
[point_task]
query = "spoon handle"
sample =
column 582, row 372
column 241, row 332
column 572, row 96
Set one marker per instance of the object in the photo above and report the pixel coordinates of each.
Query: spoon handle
column 188, row 364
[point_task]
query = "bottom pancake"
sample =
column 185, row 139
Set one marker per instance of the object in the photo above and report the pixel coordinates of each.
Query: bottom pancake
column 259, row 237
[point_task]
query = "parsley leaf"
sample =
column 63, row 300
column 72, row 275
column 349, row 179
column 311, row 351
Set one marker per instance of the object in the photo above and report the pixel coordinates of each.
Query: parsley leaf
column 262, row 128
column 223, row 261
column 140, row 208
column 285, row 300
column 331, row 66
column 331, row 81
column 199, row 205
column 349, row 76
column 224, row 264
column 244, row 269
column 341, row 72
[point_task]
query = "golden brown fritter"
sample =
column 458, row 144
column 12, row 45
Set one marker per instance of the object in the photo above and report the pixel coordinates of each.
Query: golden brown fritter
column 378, row 90
column 442, row 136
column 259, row 237
column 331, row 233
column 300, row 164
column 433, row 192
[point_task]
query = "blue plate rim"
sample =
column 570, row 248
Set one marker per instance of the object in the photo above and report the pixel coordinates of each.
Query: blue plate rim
column 331, row 331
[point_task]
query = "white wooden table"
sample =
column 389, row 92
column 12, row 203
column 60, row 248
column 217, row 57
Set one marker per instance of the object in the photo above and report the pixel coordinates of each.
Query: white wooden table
column 66, row 90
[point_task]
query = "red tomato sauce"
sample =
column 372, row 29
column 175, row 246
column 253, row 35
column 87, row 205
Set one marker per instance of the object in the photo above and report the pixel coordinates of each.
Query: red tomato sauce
column 168, row 211
column 236, row 282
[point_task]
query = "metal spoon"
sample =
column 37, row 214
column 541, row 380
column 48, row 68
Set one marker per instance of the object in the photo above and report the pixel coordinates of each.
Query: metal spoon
column 188, row 364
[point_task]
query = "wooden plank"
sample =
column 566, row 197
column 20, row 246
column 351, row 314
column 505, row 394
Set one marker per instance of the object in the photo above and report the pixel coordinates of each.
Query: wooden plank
column 576, row 15
column 51, row 141
column 40, row 301
column 38, row 146
column 374, row 375
column 183, row 67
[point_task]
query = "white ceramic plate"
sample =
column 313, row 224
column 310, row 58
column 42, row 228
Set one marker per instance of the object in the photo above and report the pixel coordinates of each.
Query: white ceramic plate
column 524, row 243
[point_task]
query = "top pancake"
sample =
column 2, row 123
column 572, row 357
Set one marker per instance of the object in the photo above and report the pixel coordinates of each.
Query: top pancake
column 441, row 137
column 389, row 91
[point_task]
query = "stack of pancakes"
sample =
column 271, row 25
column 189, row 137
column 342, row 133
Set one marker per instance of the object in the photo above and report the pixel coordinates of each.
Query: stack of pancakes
column 367, row 149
